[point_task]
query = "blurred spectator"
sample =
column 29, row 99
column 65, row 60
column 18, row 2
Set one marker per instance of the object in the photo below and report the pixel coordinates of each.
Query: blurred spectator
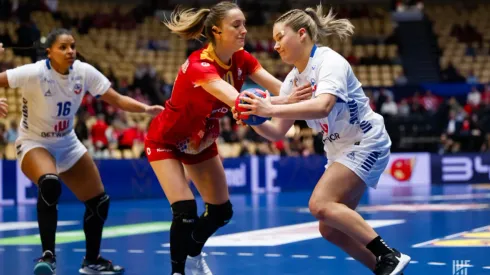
column 389, row 107
column 12, row 133
column 472, row 79
column 430, row 102
column 99, row 135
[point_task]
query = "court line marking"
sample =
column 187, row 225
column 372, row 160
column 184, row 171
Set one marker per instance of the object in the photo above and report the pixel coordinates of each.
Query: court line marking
column 436, row 263
column 245, row 254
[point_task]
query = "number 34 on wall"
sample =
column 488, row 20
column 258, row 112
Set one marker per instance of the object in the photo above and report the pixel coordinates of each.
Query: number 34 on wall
column 463, row 168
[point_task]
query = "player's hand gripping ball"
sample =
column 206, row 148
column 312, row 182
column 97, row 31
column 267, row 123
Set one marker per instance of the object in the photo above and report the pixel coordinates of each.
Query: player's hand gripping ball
column 249, row 119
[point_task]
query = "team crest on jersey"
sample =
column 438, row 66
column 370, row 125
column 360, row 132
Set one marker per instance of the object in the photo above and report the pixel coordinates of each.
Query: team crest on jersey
column 313, row 84
column 205, row 64
column 77, row 88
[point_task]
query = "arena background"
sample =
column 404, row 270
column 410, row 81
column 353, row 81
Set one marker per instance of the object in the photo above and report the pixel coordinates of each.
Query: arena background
column 423, row 64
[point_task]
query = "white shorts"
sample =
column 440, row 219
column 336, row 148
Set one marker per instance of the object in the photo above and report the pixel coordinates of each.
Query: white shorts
column 66, row 151
column 368, row 159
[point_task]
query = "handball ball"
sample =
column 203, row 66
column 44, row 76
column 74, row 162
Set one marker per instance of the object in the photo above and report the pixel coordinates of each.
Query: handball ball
column 250, row 119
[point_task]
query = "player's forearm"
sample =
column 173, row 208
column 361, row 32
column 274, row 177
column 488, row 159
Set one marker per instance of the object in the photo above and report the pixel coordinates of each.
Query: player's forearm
column 269, row 130
column 281, row 99
column 129, row 104
column 310, row 109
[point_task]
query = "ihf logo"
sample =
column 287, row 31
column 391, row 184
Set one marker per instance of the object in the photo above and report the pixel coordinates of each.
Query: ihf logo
column 461, row 267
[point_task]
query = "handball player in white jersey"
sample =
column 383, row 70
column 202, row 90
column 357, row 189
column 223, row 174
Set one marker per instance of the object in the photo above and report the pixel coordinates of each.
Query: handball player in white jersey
column 49, row 151
column 356, row 141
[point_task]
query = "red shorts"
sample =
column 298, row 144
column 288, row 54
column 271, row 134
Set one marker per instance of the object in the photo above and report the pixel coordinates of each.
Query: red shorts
column 160, row 151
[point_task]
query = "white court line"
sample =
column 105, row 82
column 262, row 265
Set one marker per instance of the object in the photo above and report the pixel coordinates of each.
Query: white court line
column 136, row 251
column 79, row 250
column 162, row 252
column 108, row 250
column 436, row 263
column 300, row 256
column 245, row 254
column 272, row 255
column 327, row 257
column 217, row 253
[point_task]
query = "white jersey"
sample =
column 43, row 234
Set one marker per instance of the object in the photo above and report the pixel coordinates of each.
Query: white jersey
column 351, row 120
column 50, row 100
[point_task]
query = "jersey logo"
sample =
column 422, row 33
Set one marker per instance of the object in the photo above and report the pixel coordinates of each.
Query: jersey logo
column 61, row 126
column 352, row 155
column 205, row 64
column 77, row 88
column 313, row 84
column 324, row 128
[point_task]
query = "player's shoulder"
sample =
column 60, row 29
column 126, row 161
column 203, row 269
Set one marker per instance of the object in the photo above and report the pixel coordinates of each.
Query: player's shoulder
column 81, row 66
column 199, row 60
column 329, row 55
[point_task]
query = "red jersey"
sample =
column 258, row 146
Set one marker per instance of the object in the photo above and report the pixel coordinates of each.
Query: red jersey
column 190, row 120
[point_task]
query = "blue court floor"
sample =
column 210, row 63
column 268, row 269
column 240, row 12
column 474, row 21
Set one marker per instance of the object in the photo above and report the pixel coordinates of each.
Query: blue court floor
column 271, row 234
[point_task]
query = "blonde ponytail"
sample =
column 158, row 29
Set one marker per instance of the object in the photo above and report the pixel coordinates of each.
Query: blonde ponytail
column 188, row 24
column 327, row 24
column 318, row 26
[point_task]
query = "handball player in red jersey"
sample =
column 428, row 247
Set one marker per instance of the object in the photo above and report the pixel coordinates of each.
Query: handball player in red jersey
column 183, row 137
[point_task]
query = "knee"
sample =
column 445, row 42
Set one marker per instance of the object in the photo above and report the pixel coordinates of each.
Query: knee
column 322, row 210
column 184, row 211
column 330, row 234
column 326, row 231
column 220, row 214
column 49, row 190
column 97, row 207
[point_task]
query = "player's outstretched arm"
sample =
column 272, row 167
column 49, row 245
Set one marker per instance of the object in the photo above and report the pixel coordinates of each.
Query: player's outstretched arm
column 222, row 91
column 273, row 130
column 3, row 107
column 129, row 104
column 3, row 83
column 266, row 80
column 3, row 76
column 318, row 107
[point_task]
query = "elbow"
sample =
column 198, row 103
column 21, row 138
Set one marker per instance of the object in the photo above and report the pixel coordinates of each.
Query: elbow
column 322, row 112
column 323, row 108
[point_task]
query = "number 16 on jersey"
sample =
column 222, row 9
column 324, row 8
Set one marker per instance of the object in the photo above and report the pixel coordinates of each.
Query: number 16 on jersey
column 63, row 108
